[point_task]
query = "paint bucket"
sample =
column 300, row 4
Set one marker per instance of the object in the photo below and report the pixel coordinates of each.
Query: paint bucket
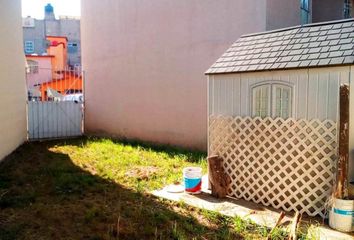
column 341, row 216
column 192, row 180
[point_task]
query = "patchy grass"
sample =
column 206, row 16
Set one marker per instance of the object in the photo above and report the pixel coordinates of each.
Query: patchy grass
column 99, row 189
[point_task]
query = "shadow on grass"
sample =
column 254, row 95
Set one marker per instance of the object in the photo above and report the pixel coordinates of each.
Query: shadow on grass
column 43, row 195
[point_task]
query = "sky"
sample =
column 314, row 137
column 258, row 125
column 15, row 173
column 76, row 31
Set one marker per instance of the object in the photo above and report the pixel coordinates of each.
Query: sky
column 35, row 8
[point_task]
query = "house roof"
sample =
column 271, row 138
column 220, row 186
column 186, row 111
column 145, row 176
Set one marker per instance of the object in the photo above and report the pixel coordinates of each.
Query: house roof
column 312, row 45
column 57, row 37
column 39, row 56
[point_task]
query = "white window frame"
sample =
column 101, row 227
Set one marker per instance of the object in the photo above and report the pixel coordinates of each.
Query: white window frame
column 272, row 98
column 267, row 89
column 33, row 67
column 29, row 46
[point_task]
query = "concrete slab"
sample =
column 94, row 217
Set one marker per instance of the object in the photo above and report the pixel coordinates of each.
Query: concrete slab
column 261, row 215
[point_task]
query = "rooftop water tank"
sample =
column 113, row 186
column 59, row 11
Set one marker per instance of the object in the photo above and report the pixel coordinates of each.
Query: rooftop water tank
column 49, row 8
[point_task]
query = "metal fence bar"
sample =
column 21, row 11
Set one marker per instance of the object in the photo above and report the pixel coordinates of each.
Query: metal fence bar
column 55, row 102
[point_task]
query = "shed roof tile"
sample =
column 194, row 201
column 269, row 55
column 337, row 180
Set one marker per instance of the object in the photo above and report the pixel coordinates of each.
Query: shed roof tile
column 321, row 44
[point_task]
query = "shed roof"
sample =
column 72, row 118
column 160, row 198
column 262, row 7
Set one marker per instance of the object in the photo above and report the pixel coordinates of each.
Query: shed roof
column 312, row 45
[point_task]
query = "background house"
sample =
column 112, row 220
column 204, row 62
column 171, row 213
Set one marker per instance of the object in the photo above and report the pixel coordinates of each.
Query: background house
column 144, row 60
column 35, row 32
column 50, row 71
column 12, row 78
column 274, row 113
column 39, row 69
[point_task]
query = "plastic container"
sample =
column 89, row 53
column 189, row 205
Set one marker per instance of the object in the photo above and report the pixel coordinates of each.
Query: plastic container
column 192, row 180
column 341, row 216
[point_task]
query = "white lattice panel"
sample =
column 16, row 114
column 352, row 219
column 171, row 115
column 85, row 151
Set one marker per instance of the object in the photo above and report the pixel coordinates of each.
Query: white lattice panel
column 286, row 164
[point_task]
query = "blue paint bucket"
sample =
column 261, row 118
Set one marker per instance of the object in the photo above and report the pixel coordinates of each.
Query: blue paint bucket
column 192, row 180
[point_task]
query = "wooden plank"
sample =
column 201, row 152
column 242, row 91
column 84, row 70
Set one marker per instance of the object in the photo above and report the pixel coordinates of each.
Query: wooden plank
column 217, row 91
column 236, row 96
column 219, row 180
column 228, row 96
column 351, row 127
column 333, row 98
column 210, row 95
column 341, row 189
column 312, row 96
column 322, row 100
column 245, row 110
column 302, row 96
column 294, row 81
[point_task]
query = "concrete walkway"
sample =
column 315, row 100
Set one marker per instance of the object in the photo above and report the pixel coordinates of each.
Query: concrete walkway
column 261, row 215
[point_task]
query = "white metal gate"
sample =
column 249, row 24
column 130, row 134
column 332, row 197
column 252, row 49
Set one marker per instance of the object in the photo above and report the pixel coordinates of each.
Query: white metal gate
column 55, row 103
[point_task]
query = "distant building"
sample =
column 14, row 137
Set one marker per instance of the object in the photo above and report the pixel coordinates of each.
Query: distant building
column 36, row 30
column 50, row 73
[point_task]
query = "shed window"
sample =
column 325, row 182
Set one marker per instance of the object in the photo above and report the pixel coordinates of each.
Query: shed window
column 261, row 101
column 272, row 100
column 281, row 101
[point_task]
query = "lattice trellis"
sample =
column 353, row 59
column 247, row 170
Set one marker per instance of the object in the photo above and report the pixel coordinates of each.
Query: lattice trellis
column 286, row 164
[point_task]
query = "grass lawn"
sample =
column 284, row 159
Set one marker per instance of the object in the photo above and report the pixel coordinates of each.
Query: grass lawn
column 99, row 189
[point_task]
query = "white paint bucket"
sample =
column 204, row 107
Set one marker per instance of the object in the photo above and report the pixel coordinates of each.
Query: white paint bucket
column 341, row 216
column 192, row 179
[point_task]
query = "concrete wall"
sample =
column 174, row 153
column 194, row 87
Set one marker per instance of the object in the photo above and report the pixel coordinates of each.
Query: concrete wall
column 12, row 78
column 327, row 10
column 145, row 62
column 71, row 29
column 36, row 34
column 282, row 13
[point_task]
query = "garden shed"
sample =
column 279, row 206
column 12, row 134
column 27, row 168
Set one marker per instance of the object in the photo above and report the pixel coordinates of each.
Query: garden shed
column 273, row 113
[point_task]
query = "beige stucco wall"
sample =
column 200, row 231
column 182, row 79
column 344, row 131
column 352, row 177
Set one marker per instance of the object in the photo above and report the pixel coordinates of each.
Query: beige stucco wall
column 282, row 13
column 327, row 10
column 145, row 62
column 12, row 78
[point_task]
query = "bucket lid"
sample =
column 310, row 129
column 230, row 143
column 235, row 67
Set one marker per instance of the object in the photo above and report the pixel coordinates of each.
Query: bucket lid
column 192, row 169
column 173, row 188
